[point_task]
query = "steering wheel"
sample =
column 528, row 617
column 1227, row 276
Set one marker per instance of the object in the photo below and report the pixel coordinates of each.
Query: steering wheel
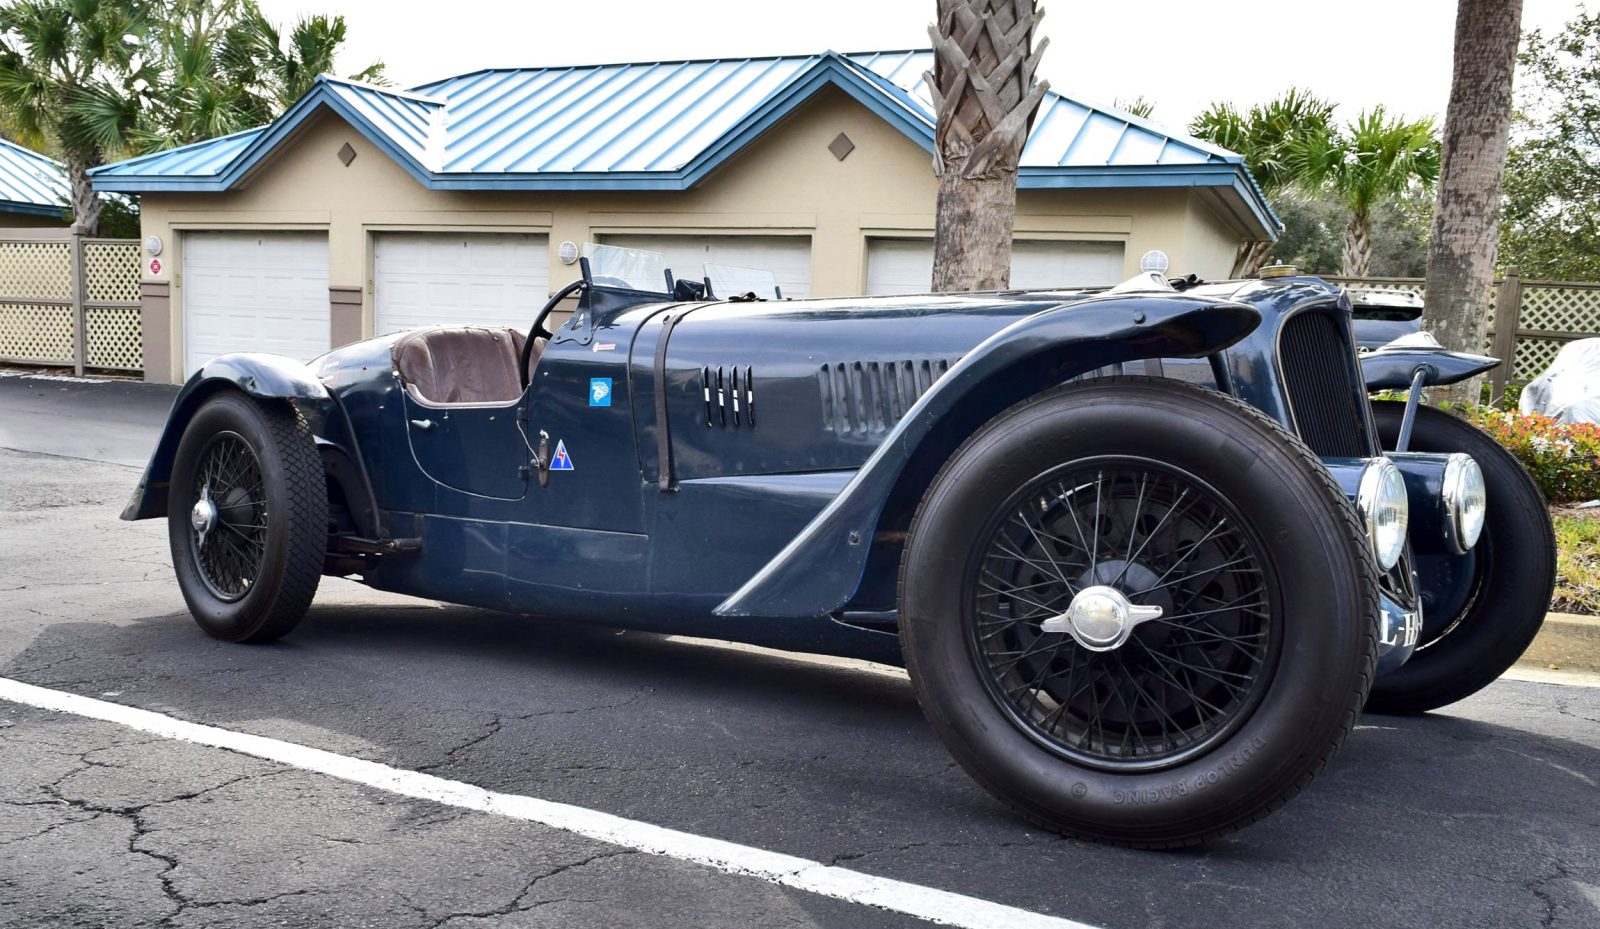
column 538, row 330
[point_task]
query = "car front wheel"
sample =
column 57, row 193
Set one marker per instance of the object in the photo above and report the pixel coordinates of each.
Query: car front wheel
column 1511, row 573
column 247, row 518
column 1138, row 612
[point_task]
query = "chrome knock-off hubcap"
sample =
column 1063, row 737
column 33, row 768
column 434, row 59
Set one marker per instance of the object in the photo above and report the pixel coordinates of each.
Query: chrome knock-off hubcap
column 204, row 514
column 1100, row 618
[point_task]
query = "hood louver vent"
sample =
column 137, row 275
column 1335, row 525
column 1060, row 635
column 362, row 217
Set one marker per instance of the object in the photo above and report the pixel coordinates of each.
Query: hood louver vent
column 868, row 397
column 730, row 396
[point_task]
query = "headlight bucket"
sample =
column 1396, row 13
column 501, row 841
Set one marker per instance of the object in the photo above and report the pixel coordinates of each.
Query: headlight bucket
column 1466, row 501
column 1382, row 501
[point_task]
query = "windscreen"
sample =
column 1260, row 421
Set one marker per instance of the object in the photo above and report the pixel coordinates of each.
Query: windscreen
column 729, row 281
column 635, row 269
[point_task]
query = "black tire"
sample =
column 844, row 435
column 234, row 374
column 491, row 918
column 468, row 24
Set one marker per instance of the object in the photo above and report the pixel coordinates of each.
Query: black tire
column 251, row 576
column 1305, row 544
column 1514, row 564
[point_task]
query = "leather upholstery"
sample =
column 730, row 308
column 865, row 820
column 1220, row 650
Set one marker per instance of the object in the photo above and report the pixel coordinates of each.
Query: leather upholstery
column 463, row 364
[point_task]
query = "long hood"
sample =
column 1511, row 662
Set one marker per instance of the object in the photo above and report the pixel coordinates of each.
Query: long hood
column 811, row 385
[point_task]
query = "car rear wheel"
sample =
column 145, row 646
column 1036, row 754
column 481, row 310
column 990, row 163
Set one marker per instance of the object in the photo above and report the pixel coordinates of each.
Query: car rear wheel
column 1138, row 612
column 247, row 518
column 1513, row 569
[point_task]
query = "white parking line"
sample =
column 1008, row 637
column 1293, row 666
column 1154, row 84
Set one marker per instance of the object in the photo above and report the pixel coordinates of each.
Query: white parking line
column 933, row 905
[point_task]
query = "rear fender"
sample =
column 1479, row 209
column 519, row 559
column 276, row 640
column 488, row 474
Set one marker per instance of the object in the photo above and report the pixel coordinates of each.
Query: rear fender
column 264, row 377
column 820, row 570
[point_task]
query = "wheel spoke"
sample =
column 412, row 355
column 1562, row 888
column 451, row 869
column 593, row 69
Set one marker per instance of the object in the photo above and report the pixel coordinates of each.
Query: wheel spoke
column 1173, row 684
column 230, row 476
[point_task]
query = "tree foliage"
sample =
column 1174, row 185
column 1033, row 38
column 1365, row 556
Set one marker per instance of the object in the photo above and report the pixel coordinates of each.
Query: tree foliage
column 1550, row 227
column 224, row 67
column 1267, row 134
column 66, row 70
column 1140, row 106
column 1314, row 226
column 88, row 81
column 1369, row 162
column 1264, row 136
column 1322, row 176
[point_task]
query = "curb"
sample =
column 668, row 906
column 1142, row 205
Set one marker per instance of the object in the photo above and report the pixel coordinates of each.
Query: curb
column 1567, row 642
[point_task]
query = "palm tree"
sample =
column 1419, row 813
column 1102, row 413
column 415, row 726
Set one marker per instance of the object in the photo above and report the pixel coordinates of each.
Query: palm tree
column 1377, row 157
column 69, row 77
column 256, row 55
column 1265, row 136
column 1140, row 106
column 985, row 96
column 1477, row 128
column 226, row 68
column 199, row 96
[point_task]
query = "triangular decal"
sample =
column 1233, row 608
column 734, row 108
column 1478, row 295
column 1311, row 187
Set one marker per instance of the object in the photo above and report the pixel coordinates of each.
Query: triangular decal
column 561, row 461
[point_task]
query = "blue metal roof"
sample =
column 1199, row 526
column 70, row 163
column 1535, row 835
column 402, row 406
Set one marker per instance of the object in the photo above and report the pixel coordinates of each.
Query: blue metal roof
column 30, row 182
column 666, row 125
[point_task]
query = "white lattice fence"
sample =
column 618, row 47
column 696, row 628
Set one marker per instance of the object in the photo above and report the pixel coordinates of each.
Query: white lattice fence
column 39, row 308
column 111, row 304
column 36, row 333
column 33, row 270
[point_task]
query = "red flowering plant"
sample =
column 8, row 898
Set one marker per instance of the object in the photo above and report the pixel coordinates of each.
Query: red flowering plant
column 1564, row 458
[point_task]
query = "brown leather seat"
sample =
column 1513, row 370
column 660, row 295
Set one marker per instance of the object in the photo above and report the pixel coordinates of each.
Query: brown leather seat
column 460, row 365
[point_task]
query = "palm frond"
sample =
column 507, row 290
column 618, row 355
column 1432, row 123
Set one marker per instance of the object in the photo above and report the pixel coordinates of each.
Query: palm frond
column 376, row 74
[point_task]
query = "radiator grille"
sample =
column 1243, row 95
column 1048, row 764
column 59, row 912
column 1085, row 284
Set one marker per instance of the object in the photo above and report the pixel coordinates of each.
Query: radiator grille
column 867, row 397
column 1328, row 403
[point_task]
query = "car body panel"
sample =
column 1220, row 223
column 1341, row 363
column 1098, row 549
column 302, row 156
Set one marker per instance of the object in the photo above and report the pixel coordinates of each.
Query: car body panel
column 634, row 483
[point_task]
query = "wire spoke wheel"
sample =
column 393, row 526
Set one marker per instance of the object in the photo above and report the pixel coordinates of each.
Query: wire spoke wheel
column 1179, row 681
column 228, row 525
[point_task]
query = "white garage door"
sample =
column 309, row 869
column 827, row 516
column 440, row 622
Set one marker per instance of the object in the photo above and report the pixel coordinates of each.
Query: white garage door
column 484, row 279
column 254, row 292
column 905, row 266
column 787, row 257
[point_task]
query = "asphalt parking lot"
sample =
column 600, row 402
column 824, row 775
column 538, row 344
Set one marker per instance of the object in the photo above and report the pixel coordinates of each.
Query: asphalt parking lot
column 1484, row 814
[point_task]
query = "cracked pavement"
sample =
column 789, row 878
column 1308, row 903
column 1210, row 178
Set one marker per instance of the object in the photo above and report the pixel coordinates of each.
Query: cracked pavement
column 1484, row 814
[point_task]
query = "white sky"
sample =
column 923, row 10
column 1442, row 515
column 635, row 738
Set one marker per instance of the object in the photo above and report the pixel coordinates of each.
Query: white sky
column 1181, row 54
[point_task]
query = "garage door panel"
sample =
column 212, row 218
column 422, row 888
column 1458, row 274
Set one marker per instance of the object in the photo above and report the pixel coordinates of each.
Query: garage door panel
column 899, row 266
column 787, row 257
column 484, row 279
column 1040, row 265
column 905, row 266
column 255, row 292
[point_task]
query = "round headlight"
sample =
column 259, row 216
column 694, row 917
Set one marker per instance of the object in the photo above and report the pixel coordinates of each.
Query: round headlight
column 1381, row 499
column 1466, row 500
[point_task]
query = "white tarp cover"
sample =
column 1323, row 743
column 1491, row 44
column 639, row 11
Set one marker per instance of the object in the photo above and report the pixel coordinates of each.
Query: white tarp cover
column 1569, row 390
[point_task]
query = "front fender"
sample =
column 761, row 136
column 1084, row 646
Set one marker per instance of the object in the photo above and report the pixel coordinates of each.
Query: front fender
column 821, row 568
column 257, row 375
column 1393, row 369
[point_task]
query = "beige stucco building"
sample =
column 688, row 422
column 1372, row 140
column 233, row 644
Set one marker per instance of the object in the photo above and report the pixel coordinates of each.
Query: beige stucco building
column 365, row 210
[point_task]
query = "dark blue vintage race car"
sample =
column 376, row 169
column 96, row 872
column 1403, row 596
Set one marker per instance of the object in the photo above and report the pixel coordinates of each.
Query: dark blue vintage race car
column 1140, row 549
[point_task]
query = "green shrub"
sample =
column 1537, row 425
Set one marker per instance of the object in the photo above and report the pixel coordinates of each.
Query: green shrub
column 1508, row 401
column 1563, row 459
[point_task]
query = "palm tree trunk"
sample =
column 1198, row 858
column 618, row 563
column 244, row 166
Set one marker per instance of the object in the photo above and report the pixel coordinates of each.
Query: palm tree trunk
column 1466, row 230
column 1357, row 259
column 85, row 203
column 985, row 96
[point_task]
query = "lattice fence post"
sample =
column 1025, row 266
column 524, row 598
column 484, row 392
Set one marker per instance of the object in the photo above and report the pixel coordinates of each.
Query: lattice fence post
column 80, row 317
column 1507, row 319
